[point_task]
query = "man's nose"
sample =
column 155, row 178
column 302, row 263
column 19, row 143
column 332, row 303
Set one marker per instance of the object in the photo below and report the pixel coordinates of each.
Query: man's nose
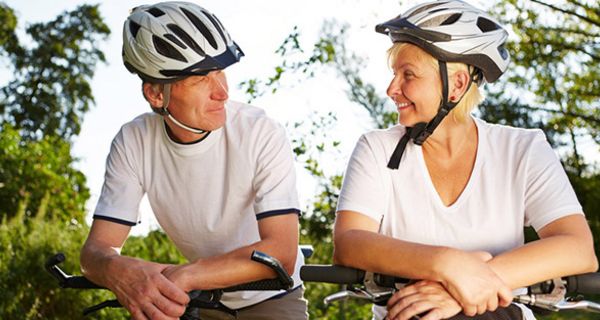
column 219, row 90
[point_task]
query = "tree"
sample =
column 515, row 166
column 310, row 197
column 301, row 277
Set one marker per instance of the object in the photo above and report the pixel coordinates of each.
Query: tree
column 50, row 91
column 558, row 60
column 37, row 178
column 41, row 108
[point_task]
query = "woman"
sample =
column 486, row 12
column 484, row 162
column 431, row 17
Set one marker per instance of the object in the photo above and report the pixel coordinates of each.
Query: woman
column 448, row 203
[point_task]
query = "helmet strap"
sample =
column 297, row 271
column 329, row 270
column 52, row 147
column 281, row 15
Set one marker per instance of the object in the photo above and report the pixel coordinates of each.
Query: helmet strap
column 164, row 111
column 421, row 131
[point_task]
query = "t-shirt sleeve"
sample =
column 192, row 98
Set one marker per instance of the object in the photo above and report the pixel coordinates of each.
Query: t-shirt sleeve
column 549, row 194
column 275, row 176
column 122, row 191
column 362, row 188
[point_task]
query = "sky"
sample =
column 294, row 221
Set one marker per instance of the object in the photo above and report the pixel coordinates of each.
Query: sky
column 259, row 27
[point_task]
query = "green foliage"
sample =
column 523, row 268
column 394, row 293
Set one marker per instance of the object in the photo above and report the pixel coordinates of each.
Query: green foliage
column 556, row 58
column 28, row 292
column 37, row 178
column 50, row 91
column 8, row 39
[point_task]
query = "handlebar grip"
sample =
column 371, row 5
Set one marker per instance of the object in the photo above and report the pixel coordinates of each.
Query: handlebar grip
column 331, row 274
column 260, row 285
column 587, row 283
column 79, row 282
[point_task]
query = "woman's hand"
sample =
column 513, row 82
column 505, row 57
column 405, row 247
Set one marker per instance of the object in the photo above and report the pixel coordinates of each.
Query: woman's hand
column 469, row 279
column 426, row 298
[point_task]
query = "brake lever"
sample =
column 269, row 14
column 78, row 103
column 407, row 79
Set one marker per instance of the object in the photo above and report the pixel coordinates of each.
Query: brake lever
column 550, row 301
column 379, row 298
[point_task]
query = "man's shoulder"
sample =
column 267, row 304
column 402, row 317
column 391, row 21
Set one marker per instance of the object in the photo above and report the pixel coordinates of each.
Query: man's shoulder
column 143, row 121
column 139, row 128
column 245, row 117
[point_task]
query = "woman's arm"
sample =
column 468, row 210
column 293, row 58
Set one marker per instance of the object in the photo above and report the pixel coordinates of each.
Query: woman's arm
column 565, row 247
column 465, row 275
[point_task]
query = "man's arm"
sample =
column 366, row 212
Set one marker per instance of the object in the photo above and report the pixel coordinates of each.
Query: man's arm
column 279, row 239
column 139, row 285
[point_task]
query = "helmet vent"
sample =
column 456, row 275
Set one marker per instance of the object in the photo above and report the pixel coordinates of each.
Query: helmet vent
column 134, row 28
column 156, row 12
column 425, row 8
column 218, row 24
column 175, row 40
column 201, row 27
column 167, row 50
column 440, row 20
column 186, row 38
column 451, row 19
column 486, row 25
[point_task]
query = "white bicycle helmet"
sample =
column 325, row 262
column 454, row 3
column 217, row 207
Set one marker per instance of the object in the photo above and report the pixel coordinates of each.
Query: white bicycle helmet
column 168, row 41
column 453, row 31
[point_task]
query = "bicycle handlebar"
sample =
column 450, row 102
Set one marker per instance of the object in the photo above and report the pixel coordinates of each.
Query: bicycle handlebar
column 378, row 288
column 331, row 274
column 588, row 283
column 198, row 298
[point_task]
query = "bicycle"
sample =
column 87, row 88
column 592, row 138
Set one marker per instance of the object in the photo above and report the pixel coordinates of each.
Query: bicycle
column 551, row 295
column 199, row 299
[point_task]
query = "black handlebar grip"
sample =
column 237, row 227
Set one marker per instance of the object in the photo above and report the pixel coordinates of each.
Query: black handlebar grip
column 587, row 283
column 54, row 260
column 260, row 285
column 331, row 274
column 78, row 282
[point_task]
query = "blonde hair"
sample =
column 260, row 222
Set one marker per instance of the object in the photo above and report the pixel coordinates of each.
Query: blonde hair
column 470, row 99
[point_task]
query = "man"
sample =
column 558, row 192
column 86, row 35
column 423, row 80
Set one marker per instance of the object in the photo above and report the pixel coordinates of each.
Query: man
column 219, row 176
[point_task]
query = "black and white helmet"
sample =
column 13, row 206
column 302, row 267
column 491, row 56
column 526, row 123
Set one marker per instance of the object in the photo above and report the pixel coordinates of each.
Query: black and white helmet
column 167, row 41
column 453, row 31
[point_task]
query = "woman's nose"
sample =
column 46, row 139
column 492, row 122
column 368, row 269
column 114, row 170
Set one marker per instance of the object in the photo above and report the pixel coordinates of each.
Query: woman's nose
column 393, row 89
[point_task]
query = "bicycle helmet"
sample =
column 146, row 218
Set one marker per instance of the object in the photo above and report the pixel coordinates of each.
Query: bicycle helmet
column 168, row 41
column 451, row 31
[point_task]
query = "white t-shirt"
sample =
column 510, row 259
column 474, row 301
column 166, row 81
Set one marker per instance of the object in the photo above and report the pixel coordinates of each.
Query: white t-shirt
column 206, row 196
column 517, row 181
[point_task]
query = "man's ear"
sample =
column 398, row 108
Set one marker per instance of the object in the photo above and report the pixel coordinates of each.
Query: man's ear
column 459, row 84
column 153, row 94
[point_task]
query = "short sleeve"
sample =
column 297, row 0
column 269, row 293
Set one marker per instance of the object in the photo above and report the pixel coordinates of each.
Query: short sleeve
column 549, row 194
column 362, row 188
column 122, row 191
column 275, row 176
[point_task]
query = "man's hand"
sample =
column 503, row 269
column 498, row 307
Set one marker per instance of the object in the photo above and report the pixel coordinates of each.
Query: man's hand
column 141, row 287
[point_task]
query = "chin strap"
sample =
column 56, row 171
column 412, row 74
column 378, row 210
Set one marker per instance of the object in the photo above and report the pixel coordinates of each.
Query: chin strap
column 421, row 131
column 163, row 111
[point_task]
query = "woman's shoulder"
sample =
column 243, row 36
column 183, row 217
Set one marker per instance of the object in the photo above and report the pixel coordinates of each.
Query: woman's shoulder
column 500, row 132
column 390, row 134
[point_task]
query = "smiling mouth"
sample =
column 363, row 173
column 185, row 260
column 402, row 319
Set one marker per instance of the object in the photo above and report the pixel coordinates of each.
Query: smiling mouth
column 402, row 106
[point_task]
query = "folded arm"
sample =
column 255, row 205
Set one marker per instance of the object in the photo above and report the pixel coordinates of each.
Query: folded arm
column 279, row 239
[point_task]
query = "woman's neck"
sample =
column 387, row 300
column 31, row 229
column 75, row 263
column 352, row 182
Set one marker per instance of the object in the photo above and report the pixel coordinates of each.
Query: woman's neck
column 452, row 138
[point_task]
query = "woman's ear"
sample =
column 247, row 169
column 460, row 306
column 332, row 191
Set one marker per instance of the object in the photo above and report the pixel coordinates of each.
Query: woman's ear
column 153, row 94
column 459, row 84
